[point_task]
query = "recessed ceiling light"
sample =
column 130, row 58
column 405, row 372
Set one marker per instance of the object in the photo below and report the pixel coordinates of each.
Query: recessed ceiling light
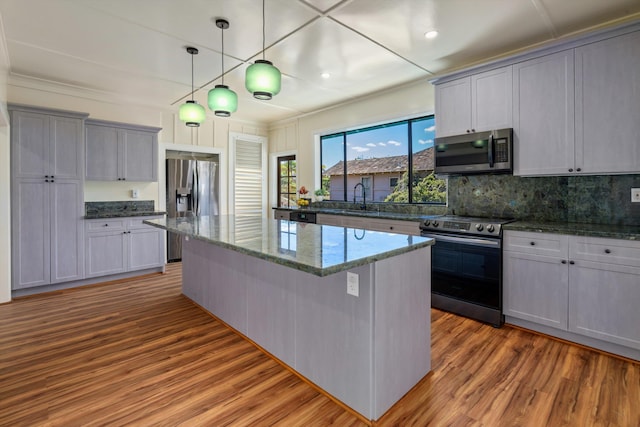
column 431, row 34
column 325, row 75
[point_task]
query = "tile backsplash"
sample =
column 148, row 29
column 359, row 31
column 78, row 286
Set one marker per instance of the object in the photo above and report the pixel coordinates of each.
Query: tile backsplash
column 601, row 199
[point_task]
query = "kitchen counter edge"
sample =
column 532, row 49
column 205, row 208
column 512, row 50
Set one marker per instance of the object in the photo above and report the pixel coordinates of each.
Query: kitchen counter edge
column 317, row 271
column 626, row 232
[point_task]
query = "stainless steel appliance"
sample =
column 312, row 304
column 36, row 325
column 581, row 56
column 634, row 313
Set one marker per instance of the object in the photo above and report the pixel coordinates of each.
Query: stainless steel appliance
column 298, row 216
column 473, row 153
column 466, row 266
column 192, row 190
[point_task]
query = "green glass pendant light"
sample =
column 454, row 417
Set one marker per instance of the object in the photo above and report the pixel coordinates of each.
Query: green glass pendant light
column 222, row 100
column 191, row 112
column 262, row 79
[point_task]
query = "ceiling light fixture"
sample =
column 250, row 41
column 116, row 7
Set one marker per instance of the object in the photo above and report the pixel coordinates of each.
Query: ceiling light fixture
column 431, row 34
column 191, row 112
column 262, row 79
column 222, row 100
column 325, row 75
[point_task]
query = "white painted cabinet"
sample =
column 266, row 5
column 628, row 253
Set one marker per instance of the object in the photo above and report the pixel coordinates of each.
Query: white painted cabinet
column 536, row 278
column 476, row 103
column 119, row 245
column 47, row 197
column 587, row 286
column 119, row 152
column 604, row 289
column 576, row 111
column 543, row 115
column 608, row 105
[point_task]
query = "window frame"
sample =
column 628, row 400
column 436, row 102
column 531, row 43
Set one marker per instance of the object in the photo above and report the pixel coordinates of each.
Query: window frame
column 408, row 122
column 290, row 178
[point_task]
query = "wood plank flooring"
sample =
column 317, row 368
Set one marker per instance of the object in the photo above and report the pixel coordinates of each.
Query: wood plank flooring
column 139, row 353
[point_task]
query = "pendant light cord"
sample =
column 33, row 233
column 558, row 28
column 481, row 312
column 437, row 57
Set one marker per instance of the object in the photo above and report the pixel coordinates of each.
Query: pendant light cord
column 222, row 29
column 263, row 31
column 192, row 76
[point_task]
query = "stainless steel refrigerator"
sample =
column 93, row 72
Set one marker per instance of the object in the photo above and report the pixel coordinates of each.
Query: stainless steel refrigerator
column 192, row 190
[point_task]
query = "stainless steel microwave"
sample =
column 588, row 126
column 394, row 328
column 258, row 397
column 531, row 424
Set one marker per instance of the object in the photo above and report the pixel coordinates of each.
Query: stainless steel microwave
column 475, row 153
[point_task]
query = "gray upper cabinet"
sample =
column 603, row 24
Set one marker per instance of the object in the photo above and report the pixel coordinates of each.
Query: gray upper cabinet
column 121, row 152
column 608, row 105
column 543, row 110
column 47, row 196
column 475, row 103
column 59, row 156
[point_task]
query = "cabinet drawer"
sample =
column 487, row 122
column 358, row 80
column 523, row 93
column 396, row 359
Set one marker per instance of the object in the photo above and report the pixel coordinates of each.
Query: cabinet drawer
column 281, row 214
column 536, row 243
column 403, row 227
column 105, row 225
column 137, row 222
column 611, row 251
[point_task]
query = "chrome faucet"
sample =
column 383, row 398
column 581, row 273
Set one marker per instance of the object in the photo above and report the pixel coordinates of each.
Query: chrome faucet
column 363, row 206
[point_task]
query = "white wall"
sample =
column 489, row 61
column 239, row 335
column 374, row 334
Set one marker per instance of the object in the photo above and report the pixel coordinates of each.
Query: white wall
column 411, row 100
column 5, row 208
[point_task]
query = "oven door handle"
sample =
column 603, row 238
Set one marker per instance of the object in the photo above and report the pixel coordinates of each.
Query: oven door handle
column 464, row 240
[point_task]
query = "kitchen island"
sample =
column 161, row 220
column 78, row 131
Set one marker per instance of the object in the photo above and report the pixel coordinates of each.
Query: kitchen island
column 284, row 285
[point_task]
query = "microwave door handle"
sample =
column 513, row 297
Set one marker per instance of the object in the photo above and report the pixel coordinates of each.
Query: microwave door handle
column 491, row 151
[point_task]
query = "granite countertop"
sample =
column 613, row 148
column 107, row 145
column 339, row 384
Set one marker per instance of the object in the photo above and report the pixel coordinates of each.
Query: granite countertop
column 120, row 209
column 363, row 213
column 317, row 249
column 121, row 214
column 628, row 232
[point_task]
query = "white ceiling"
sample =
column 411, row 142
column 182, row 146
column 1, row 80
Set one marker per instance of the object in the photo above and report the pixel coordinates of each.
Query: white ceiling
column 135, row 49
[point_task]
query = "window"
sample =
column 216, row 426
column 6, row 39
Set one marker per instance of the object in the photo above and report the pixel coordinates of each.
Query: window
column 393, row 161
column 287, row 189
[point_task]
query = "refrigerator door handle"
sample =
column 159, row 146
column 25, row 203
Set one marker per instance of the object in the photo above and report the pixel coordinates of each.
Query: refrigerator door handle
column 195, row 193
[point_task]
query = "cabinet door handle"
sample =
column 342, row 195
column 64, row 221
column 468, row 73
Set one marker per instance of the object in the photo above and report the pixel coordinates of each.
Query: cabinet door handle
column 564, row 261
column 572, row 262
column 390, row 228
column 532, row 243
column 607, row 251
column 570, row 169
column 578, row 169
column 46, row 176
column 106, row 225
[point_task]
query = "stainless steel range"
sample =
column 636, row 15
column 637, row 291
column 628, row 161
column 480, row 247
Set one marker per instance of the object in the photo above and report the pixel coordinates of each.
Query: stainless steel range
column 466, row 264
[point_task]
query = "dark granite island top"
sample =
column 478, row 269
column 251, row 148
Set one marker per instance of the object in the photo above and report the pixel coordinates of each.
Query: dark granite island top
column 312, row 248
column 347, row 309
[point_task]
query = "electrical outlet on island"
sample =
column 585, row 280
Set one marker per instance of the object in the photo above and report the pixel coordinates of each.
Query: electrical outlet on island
column 635, row 195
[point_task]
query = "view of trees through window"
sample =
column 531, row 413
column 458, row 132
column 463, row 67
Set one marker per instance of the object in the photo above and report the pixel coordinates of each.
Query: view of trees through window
column 287, row 189
column 393, row 161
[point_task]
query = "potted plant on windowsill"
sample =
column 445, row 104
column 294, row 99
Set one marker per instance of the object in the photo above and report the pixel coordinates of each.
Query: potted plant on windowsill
column 321, row 193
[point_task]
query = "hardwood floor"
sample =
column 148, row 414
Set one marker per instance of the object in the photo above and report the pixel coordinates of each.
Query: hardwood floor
column 139, row 353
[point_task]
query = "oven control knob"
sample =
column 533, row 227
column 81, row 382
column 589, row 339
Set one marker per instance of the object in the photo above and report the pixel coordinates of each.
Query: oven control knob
column 479, row 227
column 435, row 223
column 427, row 222
column 490, row 228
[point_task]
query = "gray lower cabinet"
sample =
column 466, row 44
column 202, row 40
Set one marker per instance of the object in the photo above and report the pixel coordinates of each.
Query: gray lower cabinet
column 585, row 286
column 46, row 196
column 121, row 152
column 120, row 245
